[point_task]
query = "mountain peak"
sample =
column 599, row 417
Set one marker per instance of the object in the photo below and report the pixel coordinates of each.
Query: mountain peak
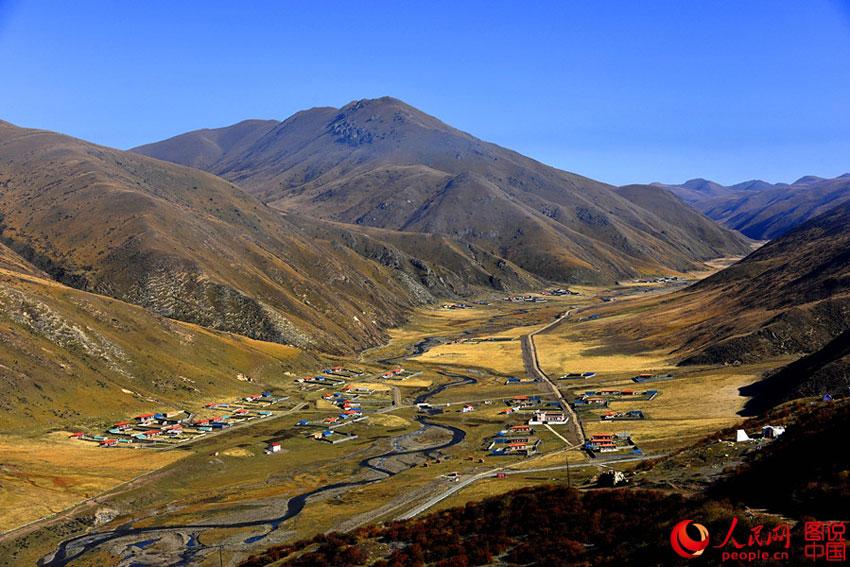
column 807, row 179
column 386, row 111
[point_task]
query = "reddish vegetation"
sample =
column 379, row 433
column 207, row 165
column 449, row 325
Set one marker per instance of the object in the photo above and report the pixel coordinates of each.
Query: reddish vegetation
column 552, row 525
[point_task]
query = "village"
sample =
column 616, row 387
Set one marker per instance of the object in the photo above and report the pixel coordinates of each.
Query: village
column 170, row 428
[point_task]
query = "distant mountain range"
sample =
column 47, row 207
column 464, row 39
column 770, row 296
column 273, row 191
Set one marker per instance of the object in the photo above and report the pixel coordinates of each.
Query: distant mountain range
column 384, row 164
column 763, row 210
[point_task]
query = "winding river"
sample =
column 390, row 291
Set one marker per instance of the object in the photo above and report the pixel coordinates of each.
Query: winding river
column 74, row 548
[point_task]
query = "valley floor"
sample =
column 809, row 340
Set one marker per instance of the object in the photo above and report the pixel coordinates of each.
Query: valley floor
column 223, row 496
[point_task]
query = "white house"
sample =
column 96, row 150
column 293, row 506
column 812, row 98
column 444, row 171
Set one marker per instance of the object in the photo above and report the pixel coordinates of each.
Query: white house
column 550, row 417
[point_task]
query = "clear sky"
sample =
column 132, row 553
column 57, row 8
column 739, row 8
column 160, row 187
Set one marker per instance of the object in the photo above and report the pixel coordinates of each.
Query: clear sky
column 620, row 91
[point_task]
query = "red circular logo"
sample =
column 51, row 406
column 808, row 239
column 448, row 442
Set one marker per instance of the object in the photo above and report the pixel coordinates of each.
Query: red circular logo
column 683, row 544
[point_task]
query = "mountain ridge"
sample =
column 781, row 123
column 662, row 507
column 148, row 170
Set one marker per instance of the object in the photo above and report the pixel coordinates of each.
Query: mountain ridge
column 763, row 210
column 191, row 246
column 385, row 164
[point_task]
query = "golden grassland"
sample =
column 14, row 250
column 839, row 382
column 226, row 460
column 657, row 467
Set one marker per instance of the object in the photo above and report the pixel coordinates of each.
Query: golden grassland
column 558, row 355
column 44, row 475
column 502, row 357
column 413, row 382
column 497, row 318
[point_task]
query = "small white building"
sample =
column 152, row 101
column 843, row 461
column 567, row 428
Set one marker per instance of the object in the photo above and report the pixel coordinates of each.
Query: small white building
column 550, row 417
column 274, row 447
column 467, row 408
column 772, row 431
column 741, row 435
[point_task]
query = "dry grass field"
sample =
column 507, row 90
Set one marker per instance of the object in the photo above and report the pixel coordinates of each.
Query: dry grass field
column 41, row 476
column 501, row 357
column 559, row 355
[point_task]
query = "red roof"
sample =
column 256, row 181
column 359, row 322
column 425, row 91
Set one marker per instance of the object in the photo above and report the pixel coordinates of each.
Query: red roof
column 274, row 444
column 520, row 397
column 122, row 423
column 144, row 416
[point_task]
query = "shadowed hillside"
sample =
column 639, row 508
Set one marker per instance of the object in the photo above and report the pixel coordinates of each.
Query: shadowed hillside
column 384, row 164
column 826, row 371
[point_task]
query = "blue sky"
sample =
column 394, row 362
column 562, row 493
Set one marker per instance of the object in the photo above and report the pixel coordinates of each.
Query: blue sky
column 619, row 91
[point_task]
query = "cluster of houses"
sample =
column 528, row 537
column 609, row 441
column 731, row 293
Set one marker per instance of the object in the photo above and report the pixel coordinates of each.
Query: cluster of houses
column 515, row 440
column 609, row 443
column 334, row 377
column 622, row 415
column 558, row 292
column 456, row 306
column 600, row 398
column 520, row 403
column 168, row 428
column 343, row 372
column 660, row 279
column 350, row 411
column 349, row 408
column 394, row 373
column 321, row 380
column 524, row 299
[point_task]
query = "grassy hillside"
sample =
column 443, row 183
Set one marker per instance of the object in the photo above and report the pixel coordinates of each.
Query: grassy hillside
column 71, row 359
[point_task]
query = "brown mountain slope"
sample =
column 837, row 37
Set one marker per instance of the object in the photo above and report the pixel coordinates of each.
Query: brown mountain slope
column 11, row 260
column 688, row 225
column 790, row 297
column 764, row 211
column 385, row 164
column 71, row 358
column 191, row 246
